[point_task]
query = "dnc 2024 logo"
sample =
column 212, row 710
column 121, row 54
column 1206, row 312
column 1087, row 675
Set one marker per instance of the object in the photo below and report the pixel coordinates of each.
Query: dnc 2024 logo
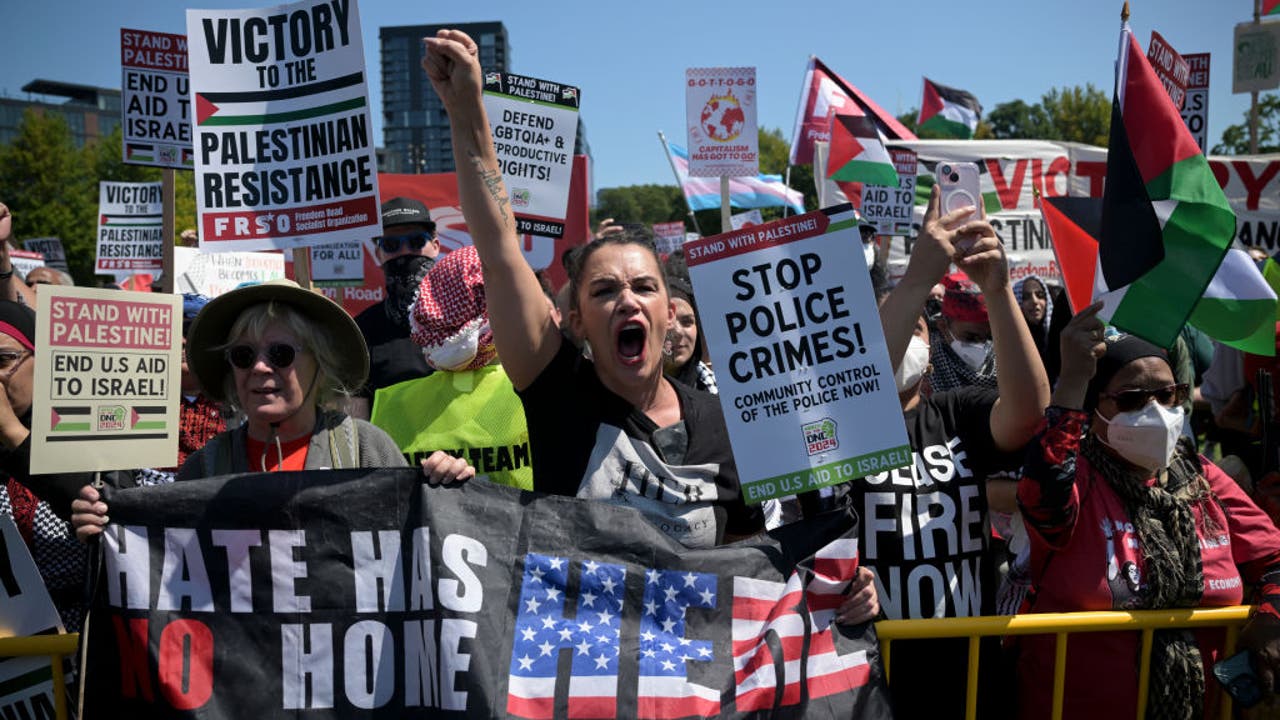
column 820, row 436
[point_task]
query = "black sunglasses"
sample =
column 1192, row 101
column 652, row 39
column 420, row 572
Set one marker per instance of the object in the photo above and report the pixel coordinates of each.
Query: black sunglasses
column 391, row 243
column 1130, row 400
column 279, row 355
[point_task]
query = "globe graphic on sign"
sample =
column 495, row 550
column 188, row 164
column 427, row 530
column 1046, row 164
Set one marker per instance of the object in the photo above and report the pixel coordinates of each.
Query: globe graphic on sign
column 722, row 118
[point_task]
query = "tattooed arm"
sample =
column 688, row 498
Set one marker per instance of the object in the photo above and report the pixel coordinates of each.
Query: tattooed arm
column 526, row 336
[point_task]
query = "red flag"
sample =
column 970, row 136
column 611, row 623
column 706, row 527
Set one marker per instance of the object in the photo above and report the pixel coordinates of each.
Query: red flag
column 824, row 91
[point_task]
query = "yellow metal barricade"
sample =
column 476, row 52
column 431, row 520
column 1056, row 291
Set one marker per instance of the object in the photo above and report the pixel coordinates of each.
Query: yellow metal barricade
column 1061, row 625
column 56, row 647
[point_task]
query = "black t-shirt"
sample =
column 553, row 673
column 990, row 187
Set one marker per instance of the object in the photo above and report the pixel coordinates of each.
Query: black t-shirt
column 590, row 443
column 393, row 357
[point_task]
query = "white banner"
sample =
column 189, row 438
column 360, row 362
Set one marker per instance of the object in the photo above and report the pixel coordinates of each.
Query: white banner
column 215, row 273
column 154, row 101
column 338, row 265
column 720, row 113
column 130, row 228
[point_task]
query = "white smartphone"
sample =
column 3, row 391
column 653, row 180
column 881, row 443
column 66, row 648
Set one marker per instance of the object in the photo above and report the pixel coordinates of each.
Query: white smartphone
column 959, row 184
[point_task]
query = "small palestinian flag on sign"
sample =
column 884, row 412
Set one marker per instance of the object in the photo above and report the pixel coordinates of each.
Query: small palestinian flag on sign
column 147, row 417
column 947, row 112
column 136, row 152
column 857, row 154
column 188, row 157
column 66, row 418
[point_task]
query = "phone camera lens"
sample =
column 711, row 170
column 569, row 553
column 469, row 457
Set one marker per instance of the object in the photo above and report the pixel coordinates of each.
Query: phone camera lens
column 946, row 169
column 955, row 177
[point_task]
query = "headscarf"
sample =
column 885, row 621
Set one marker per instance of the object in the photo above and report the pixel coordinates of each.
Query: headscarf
column 688, row 373
column 962, row 301
column 450, row 308
column 1040, row 333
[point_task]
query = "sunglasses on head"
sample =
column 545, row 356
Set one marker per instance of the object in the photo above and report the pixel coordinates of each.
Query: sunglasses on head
column 278, row 355
column 391, row 243
column 1130, row 400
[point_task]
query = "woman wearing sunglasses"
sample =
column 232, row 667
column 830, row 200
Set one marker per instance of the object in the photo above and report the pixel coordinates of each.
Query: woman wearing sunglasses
column 280, row 355
column 1123, row 514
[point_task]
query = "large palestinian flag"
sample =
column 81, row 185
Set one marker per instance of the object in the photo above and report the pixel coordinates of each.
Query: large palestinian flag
column 947, row 112
column 1165, row 223
column 857, row 154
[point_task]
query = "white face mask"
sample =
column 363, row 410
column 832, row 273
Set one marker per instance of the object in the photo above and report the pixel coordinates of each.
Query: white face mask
column 458, row 351
column 1147, row 437
column 973, row 354
column 869, row 253
column 913, row 364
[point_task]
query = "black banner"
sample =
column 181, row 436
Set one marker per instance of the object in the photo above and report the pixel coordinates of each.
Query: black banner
column 367, row 593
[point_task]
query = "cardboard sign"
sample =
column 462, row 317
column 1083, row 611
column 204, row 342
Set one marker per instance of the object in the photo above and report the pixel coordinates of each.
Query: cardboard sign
column 1256, row 62
column 107, row 380
column 51, row 249
column 750, row 218
column 130, row 227
column 889, row 208
column 283, row 140
column 212, row 274
column 338, row 265
column 1195, row 112
column 25, row 609
column 804, row 375
column 1172, row 69
column 534, row 125
column 720, row 109
column 668, row 237
column 24, row 261
column 154, row 103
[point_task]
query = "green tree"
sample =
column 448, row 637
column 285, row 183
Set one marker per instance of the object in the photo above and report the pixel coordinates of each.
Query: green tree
column 1016, row 120
column 1079, row 114
column 108, row 164
column 908, row 118
column 48, row 185
column 1235, row 139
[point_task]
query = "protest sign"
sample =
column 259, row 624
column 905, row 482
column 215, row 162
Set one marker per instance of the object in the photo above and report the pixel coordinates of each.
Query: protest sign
column 720, row 110
column 51, row 249
column 215, row 273
column 333, row 594
column 1172, row 69
column 130, row 229
column 283, row 141
column 1195, row 112
column 338, row 265
column 107, row 380
column 534, row 125
column 804, row 375
column 26, row 683
column 668, row 237
column 155, row 107
column 1256, row 62
column 750, row 218
column 24, row 261
column 889, row 208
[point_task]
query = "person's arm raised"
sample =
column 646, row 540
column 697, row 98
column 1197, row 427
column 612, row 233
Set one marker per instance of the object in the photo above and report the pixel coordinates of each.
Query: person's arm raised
column 523, row 330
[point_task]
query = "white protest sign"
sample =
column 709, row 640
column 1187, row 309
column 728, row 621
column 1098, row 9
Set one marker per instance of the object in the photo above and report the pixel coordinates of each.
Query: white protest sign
column 804, row 375
column 338, row 265
column 889, row 208
column 25, row 609
column 668, row 237
column 130, row 228
column 1171, row 68
column 1195, row 112
column 107, row 380
column 534, row 125
column 1256, row 63
column 720, row 110
column 24, row 261
column 749, row 218
column 215, row 273
column 155, row 108
column 283, row 140
column 51, row 249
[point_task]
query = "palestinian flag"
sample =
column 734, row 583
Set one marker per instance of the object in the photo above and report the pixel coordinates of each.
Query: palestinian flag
column 1165, row 223
column 66, row 418
column 948, row 112
column 1073, row 225
column 856, row 153
column 138, row 152
column 1271, row 7
column 823, row 91
column 147, row 417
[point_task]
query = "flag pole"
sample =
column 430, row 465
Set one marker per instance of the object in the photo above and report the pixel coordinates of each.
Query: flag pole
column 786, row 184
column 692, row 218
column 726, row 222
column 1253, row 96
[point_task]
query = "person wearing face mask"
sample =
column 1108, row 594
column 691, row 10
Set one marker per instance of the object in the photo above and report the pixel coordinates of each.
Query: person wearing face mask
column 879, row 282
column 467, row 407
column 1123, row 514
column 406, row 251
column 962, row 354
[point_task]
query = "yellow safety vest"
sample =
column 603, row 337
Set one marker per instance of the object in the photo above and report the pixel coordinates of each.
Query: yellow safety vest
column 472, row 414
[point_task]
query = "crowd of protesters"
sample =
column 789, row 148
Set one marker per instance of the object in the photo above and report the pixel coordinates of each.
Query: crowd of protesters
column 1081, row 452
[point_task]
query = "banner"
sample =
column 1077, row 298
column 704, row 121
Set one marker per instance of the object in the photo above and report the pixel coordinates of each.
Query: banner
column 1195, row 113
column 804, row 375
column 889, row 208
column 154, row 103
column 1170, row 67
column 720, row 113
column 107, row 379
column 283, row 141
column 534, row 125
column 668, row 237
column 51, row 249
column 212, row 274
column 335, row 593
column 26, row 683
column 130, row 228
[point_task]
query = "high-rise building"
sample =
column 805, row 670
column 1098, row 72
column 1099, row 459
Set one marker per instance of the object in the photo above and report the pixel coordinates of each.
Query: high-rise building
column 415, row 127
column 90, row 112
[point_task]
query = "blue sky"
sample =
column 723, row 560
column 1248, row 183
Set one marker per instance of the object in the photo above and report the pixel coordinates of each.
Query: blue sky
column 629, row 57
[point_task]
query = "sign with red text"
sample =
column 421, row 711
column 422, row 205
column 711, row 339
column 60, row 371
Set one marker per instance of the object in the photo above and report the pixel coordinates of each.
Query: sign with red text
column 1195, row 111
column 1172, row 69
column 805, row 381
column 534, row 125
column 668, row 237
column 107, row 380
column 720, row 109
column 215, row 273
column 26, row 683
column 154, row 105
column 130, row 228
column 24, row 261
column 284, row 152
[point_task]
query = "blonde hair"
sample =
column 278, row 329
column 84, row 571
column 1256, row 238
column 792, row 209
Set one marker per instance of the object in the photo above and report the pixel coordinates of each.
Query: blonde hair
column 252, row 324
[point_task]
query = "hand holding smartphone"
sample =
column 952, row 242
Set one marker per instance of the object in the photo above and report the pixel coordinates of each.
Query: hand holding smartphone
column 959, row 185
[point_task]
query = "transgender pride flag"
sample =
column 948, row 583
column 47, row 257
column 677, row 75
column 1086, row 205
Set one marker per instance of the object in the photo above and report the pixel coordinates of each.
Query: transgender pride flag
column 744, row 192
